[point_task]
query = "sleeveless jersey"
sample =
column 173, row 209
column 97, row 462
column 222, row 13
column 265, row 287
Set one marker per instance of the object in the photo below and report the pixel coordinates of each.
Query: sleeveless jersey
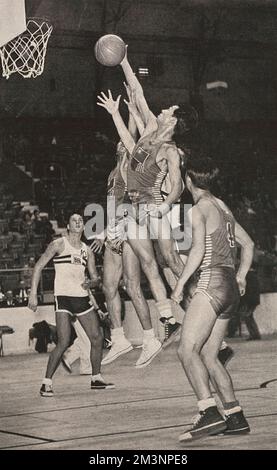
column 220, row 245
column 144, row 176
column 70, row 266
column 116, row 186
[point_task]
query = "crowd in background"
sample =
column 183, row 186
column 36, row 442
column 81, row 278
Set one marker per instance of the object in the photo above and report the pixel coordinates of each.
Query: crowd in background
column 72, row 170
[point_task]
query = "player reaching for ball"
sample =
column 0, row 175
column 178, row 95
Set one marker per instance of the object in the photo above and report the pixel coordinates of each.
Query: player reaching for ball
column 109, row 50
column 153, row 157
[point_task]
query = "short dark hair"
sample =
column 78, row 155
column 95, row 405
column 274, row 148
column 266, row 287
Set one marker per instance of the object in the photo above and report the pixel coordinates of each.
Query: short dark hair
column 202, row 171
column 187, row 117
column 74, row 213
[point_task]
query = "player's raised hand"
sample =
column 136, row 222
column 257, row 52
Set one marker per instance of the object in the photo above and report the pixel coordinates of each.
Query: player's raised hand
column 107, row 102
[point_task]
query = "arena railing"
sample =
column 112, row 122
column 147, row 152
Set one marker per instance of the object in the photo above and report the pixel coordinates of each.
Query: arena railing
column 10, row 282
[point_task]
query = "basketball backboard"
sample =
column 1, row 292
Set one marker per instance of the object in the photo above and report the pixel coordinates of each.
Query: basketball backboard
column 12, row 19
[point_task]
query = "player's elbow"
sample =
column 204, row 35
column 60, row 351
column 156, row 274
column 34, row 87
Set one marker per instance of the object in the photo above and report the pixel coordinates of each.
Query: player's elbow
column 198, row 252
column 179, row 188
column 249, row 245
column 38, row 268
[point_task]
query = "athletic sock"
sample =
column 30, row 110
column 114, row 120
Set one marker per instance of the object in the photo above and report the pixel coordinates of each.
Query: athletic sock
column 165, row 308
column 117, row 333
column 206, row 403
column 47, row 381
column 148, row 335
column 97, row 377
column 231, row 407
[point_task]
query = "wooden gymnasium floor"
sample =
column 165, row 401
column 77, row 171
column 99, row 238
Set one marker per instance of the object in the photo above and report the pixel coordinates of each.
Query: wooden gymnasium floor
column 147, row 410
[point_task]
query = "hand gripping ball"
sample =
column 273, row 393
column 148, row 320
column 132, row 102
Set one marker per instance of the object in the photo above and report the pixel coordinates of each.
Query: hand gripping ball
column 110, row 50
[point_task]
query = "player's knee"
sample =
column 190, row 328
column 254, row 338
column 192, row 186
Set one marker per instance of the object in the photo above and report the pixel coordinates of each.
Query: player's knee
column 149, row 267
column 209, row 357
column 96, row 338
column 169, row 258
column 187, row 351
column 183, row 351
column 109, row 290
column 63, row 345
column 133, row 288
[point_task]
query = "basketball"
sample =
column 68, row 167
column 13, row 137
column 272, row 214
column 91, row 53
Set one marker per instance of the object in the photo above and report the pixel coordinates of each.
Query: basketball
column 109, row 50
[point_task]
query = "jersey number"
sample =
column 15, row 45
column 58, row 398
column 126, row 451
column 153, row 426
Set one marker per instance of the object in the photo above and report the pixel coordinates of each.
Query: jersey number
column 231, row 237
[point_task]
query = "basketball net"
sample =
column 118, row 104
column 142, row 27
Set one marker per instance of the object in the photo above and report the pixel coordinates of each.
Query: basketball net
column 26, row 53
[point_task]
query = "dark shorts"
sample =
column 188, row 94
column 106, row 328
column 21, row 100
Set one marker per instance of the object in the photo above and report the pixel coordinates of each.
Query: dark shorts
column 220, row 287
column 73, row 305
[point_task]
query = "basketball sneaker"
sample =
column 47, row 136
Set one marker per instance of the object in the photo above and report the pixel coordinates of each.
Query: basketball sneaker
column 117, row 349
column 150, row 349
column 107, row 343
column 46, row 390
column 225, row 355
column 207, row 423
column 236, row 424
column 101, row 385
column 171, row 330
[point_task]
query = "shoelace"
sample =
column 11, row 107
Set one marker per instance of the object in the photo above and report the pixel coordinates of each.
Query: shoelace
column 166, row 330
column 196, row 419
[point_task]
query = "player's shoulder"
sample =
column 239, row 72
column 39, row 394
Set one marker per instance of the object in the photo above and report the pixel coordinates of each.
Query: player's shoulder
column 58, row 244
column 224, row 206
column 195, row 214
column 204, row 204
column 85, row 246
column 87, row 249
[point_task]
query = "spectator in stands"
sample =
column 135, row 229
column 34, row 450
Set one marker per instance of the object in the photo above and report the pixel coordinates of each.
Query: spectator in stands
column 36, row 221
column 26, row 225
column 2, row 295
column 26, row 274
column 21, row 294
column 47, row 229
column 10, row 300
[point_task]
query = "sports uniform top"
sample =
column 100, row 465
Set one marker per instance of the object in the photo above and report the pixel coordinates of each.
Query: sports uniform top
column 144, row 176
column 220, row 245
column 70, row 266
column 116, row 186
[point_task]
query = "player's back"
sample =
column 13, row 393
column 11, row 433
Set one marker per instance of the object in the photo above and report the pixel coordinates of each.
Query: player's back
column 220, row 245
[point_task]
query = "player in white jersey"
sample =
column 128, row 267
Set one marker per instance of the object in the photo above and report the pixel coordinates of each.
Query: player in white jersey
column 71, row 260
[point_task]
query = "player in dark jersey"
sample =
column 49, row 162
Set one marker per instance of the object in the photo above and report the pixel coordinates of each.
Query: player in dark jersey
column 152, row 157
column 120, row 261
column 215, row 234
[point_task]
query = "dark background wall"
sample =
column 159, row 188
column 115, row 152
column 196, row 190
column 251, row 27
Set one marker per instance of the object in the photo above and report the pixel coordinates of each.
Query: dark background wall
column 185, row 44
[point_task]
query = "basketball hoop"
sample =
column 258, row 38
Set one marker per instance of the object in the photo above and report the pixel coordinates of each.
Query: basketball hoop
column 26, row 53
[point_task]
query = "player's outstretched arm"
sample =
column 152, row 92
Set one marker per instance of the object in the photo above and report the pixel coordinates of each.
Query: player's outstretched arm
column 134, row 84
column 135, row 121
column 112, row 106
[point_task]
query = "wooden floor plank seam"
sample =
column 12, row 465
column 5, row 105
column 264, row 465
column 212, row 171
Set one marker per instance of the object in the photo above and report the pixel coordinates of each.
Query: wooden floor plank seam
column 117, row 433
column 26, row 435
column 117, row 403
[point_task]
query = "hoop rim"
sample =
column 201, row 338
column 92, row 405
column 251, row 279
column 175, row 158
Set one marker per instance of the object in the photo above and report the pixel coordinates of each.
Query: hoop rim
column 44, row 19
column 33, row 43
